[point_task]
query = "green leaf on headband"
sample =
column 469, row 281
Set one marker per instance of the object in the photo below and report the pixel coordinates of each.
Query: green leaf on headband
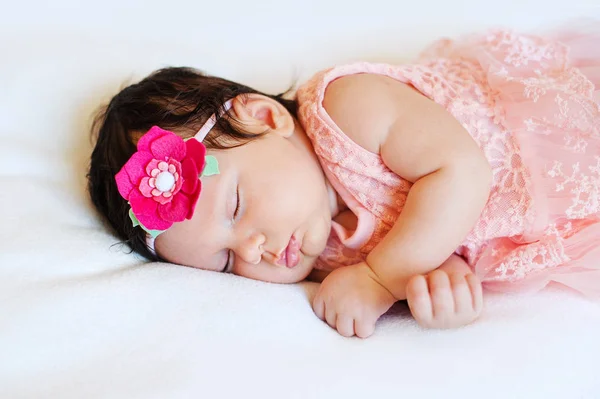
column 153, row 233
column 211, row 167
column 136, row 222
column 134, row 219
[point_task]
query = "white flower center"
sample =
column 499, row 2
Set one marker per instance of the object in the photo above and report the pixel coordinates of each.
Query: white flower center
column 165, row 181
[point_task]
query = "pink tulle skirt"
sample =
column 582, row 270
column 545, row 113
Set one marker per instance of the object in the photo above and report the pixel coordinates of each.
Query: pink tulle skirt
column 548, row 91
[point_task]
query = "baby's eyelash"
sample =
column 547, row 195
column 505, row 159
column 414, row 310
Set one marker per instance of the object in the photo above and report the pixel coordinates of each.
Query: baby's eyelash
column 229, row 262
column 237, row 202
column 230, row 254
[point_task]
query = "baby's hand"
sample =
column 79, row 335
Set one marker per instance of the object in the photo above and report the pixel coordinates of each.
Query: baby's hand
column 351, row 300
column 445, row 298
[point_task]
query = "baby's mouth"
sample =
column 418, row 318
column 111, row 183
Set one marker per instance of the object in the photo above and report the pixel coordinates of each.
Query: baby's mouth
column 290, row 257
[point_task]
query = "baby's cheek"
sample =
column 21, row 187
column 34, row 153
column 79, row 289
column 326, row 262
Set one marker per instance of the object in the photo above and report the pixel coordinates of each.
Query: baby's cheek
column 315, row 239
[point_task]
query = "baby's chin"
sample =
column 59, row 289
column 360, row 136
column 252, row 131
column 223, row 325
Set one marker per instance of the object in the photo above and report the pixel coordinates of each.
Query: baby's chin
column 307, row 268
column 291, row 276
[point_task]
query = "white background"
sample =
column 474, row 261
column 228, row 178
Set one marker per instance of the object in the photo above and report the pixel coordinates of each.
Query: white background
column 79, row 318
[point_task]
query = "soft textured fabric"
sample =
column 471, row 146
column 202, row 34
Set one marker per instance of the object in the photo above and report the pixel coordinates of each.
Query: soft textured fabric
column 532, row 106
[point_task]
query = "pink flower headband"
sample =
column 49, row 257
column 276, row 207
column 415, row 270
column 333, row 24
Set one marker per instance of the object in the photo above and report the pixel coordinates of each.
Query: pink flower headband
column 161, row 181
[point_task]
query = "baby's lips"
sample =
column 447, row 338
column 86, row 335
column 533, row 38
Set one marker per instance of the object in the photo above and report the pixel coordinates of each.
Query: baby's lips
column 282, row 259
column 293, row 253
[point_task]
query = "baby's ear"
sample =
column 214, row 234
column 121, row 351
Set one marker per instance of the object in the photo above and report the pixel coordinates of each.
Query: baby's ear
column 259, row 114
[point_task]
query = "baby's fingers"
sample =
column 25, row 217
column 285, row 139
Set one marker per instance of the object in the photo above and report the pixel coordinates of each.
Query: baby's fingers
column 319, row 307
column 419, row 300
column 476, row 292
column 345, row 325
column 441, row 297
column 331, row 316
column 364, row 328
column 463, row 300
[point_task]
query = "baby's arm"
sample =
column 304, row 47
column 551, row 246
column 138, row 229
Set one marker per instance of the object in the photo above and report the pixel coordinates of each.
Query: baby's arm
column 421, row 142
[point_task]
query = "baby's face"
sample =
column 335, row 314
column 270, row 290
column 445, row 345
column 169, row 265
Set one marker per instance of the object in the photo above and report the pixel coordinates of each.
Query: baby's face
column 266, row 216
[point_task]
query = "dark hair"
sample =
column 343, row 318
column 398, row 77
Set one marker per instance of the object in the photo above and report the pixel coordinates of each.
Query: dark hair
column 176, row 99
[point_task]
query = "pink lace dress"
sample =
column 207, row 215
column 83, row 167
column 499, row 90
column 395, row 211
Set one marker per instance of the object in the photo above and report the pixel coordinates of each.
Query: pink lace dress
column 532, row 105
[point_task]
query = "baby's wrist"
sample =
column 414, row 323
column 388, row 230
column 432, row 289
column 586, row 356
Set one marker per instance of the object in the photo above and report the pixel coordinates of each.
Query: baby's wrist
column 377, row 277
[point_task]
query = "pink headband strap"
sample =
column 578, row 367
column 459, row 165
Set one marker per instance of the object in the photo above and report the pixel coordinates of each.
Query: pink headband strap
column 210, row 123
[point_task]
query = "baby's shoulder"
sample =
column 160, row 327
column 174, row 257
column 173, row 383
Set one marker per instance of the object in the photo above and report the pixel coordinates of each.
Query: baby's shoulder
column 364, row 106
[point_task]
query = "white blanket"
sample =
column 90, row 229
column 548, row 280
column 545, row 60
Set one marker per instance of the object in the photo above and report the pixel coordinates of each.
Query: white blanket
column 80, row 318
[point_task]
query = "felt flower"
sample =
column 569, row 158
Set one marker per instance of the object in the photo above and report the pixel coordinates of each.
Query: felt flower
column 161, row 180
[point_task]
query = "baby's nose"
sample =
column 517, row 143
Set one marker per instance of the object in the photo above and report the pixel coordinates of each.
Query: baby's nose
column 252, row 249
